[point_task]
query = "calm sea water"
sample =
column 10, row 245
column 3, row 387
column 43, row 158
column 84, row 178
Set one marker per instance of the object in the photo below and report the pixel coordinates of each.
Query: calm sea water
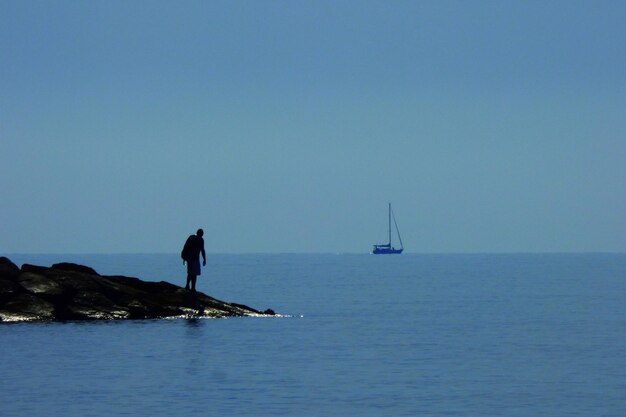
column 409, row 335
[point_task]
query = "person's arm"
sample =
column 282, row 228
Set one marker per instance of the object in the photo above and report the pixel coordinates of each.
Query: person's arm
column 203, row 255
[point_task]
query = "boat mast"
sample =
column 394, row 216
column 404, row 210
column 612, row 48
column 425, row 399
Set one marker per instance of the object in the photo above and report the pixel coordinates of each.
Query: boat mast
column 389, row 224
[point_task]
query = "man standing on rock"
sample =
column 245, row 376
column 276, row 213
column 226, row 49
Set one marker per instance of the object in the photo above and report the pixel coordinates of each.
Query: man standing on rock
column 194, row 246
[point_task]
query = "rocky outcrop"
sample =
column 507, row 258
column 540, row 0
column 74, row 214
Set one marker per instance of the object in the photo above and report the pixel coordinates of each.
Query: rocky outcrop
column 75, row 292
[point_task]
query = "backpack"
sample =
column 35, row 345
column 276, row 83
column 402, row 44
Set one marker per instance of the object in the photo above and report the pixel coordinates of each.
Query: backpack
column 186, row 252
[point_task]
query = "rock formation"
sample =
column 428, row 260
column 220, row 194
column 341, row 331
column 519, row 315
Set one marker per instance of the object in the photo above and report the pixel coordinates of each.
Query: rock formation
column 69, row 291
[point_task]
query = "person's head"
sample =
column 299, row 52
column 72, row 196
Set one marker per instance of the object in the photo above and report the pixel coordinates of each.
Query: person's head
column 200, row 232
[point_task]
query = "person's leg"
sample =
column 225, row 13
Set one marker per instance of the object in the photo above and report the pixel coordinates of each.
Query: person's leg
column 188, row 281
column 193, row 282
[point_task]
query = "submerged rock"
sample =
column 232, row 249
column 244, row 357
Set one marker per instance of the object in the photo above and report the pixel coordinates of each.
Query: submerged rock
column 75, row 292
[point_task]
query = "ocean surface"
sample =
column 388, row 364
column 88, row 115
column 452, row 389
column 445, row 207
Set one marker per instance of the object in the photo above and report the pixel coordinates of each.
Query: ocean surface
column 410, row 335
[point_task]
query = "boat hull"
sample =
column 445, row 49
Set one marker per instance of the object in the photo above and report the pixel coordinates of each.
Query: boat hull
column 387, row 251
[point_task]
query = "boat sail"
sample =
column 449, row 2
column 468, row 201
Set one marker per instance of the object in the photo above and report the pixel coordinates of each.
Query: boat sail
column 387, row 249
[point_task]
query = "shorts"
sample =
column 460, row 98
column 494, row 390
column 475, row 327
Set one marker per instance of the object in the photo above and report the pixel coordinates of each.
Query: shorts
column 193, row 267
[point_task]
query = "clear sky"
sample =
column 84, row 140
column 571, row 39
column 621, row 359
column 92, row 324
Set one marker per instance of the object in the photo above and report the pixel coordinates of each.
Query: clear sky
column 287, row 126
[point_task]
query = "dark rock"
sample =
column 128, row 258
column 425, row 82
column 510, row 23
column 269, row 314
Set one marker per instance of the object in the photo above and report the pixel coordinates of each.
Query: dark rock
column 36, row 269
column 78, row 282
column 8, row 270
column 67, row 266
column 76, row 292
column 89, row 305
column 8, row 289
column 27, row 307
column 39, row 284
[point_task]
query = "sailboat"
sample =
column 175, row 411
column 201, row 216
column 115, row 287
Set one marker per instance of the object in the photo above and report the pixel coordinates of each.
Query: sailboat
column 387, row 249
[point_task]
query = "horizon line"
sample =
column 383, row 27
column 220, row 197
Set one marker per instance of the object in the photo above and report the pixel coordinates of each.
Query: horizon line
column 616, row 252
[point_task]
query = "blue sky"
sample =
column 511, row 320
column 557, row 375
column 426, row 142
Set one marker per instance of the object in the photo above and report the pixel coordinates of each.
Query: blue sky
column 287, row 126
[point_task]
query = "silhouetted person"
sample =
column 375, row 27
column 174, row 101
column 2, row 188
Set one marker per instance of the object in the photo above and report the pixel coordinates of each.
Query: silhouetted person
column 194, row 246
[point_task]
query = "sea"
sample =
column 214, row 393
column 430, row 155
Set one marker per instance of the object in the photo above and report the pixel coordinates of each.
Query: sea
column 505, row 335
